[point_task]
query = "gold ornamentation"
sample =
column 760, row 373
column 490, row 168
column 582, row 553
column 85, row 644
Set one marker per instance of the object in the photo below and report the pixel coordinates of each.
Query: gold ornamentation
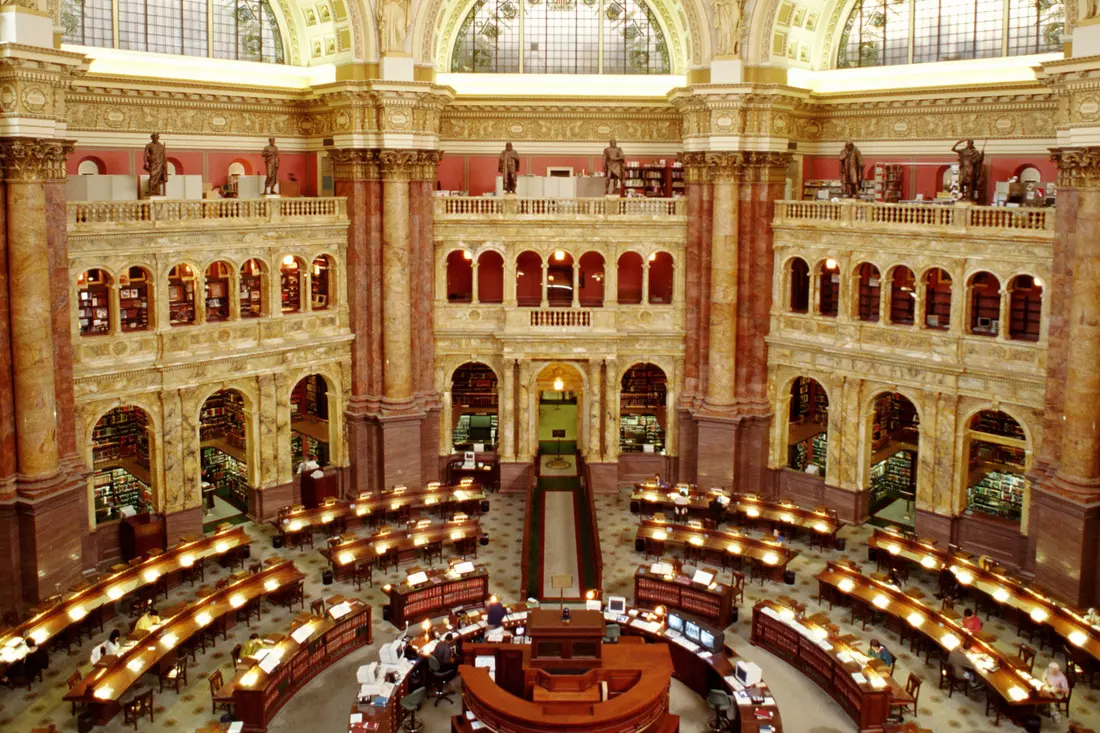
column 427, row 165
column 1077, row 167
column 399, row 165
column 354, row 164
column 34, row 159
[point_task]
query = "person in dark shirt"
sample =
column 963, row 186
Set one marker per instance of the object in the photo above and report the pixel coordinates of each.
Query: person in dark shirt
column 495, row 614
column 444, row 652
column 879, row 651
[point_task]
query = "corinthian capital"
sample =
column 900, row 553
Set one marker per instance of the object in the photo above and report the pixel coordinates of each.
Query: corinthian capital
column 724, row 167
column 1077, row 167
column 427, row 164
column 354, row 164
column 399, row 165
column 34, row 158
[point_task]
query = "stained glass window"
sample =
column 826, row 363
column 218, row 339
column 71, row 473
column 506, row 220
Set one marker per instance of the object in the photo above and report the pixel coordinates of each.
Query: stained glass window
column 889, row 32
column 560, row 37
column 245, row 30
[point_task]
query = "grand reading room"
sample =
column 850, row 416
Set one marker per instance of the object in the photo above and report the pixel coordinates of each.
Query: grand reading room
column 549, row 366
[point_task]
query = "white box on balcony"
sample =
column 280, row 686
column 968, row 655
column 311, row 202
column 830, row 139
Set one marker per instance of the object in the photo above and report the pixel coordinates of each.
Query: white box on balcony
column 187, row 188
column 101, row 188
column 251, row 187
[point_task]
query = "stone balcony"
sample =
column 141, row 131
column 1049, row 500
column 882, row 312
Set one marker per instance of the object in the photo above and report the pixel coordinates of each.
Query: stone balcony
column 926, row 218
column 609, row 208
column 510, row 321
column 88, row 216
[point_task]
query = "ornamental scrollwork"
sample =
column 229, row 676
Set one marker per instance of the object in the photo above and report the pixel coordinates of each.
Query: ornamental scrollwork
column 34, row 159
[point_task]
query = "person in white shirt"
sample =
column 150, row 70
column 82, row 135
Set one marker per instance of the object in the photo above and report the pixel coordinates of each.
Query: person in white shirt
column 113, row 645
column 1056, row 680
column 680, row 505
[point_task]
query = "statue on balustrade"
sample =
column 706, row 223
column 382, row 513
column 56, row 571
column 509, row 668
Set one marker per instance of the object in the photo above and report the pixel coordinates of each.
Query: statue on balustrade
column 508, row 167
column 851, row 171
column 271, row 161
column 971, row 164
column 156, row 165
column 613, row 163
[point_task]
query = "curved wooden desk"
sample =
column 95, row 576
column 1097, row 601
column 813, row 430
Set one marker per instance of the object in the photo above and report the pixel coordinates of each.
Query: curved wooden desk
column 637, row 678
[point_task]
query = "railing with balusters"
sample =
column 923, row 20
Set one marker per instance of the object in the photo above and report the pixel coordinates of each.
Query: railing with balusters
column 167, row 212
column 961, row 218
column 467, row 206
column 561, row 318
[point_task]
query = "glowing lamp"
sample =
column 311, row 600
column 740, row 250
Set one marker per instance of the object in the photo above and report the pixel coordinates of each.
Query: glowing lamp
column 221, row 547
column 928, row 562
column 846, row 585
column 786, row 614
column 830, row 264
column 735, row 548
column 771, row 558
column 361, row 510
column 430, row 500
column 169, row 640
column 653, row 257
column 40, row 636
column 387, row 587
column 1078, row 637
column 1017, row 693
column 271, row 584
column 457, row 535
column 819, row 633
column 151, row 575
column 965, row 577
column 426, row 624
column 203, row 619
column 250, row 678
column 659, row 610
column 236, row 601
column 77, row 612
column 881, row 601
column 115, row 592
column 752, row 512
column 949, row 641
column 296, row 525
column 877, row 682
column 381, row 548
column 559, row 384
column 915, row 619
column 421, row 540
column 893, row 548
column 696, row 540
column 492, row 599
column 1001, row 595
column 326, row 518
column 1038, row 282
column 660, row 534
column 821, row 527
column 103, row 693
column 466, row 255
column 135, row 665
column 590, row 595
column 1039, row 615
column 187, row 560
column 787, row 518
column 346, row 557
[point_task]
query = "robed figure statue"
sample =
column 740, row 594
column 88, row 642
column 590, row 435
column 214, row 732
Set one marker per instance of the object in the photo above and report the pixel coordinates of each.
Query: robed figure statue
column 613, row 163
column 271, row 161
column 851, row 171
column 971, row 163
column 156, row 166
column 508, row 167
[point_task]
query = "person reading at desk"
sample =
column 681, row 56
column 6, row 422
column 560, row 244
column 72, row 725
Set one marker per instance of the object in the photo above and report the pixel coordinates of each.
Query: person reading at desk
column 960, row 664
column 880, row 652
column 495, row 613
column 149, row 621
column 1056, row 680
column 23, row 661
column 251, row 647
column 971, row 622
column 112, row 646
column 444, row 652
column 680, row 503
column 1092, row 618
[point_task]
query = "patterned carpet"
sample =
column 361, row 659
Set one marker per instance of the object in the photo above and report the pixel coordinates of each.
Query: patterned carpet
column 322, row 706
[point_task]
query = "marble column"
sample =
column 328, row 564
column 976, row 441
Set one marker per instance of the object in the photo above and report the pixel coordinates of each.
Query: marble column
column 545, row 284
column 595, row 392
column 723, row 280
column 507, row 409
column 645, row 279
column 576, row 284
column 397, row 382
column 1003, row 312
column 474, row 296
column 611, row 411
column 446, row 427
column 695, row 180
column 523, row 424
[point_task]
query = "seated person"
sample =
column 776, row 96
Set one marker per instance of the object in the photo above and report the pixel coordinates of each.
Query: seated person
column 112, row 646
column 26, row 663
column 948, row 584
column 444, row 652
column 98, row 653
column 1092, row 618
column 495, row 613
column 1056, row 680
column 880, row 652
column 971, row 622
column 960, row 663
column 149, row 621
column 252, row 646
column 680, row 506
column 717, row 509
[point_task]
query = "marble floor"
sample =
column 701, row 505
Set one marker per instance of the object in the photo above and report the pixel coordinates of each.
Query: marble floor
column 322, row 706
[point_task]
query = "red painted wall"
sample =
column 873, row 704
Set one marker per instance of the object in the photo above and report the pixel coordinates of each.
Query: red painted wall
column 490, row 278
column 927, row 178
column 476, row 174
column 460, row 278
column 452, row 173
column 630, row 278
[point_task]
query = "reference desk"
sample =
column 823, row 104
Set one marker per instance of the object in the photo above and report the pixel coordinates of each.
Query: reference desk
column 309, row 647
column 103, row 688
column 402, row 544
column 712, row 602
column 99, row 598
column 653, row 535
column 1016, row 686
column 1065, row 621
column 442, row 591
column 862, row 686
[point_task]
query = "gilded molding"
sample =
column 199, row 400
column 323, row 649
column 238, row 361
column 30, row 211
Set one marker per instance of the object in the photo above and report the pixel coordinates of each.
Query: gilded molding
column 34, row 159
column 427, row 164
column 1077, row 167
column 399, row 165
column 354, row 164
column 559, row 121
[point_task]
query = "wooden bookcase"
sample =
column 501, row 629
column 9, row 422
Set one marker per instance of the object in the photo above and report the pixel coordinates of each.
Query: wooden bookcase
column 437, row 599
column 181, row 296
column 222, row 417
column 217, row 292
column 715, row 607
column 869, row 293
column 888, row 182
column 93, row 308
column 1025, row 314
column 319, row 283
column 252, row 290
column 291, row 287
column 937, row 302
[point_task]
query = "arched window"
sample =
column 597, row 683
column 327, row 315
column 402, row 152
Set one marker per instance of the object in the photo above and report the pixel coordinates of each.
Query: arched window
column 560, row 37
column 253, row 288
column 245, row 30
column 889, row 32
column 93, row 290
column 181, row 295
column 660, row 277
column 529, row 279
column 985, row 304
column 121, row 464
column 219, row 284
column 490, row 277
column 1025, row 308
column 134, row 303
column 868, row 284
column 320, row 283
column 903, row 295
column 808, row 426
column 937, row 299
column 460, row 276
column 828, row 286
column 800, row 286
column 591, row 280
column 997, row 464
column 559, row 279
column 290, row 274
column 630, row 278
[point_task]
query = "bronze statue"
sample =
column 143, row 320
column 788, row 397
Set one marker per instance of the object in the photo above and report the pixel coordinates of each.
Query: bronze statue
column 508, row 166
column 851, row 171
column 271, row 160
column 613, row 163
column 971, row 161
column 156, row 166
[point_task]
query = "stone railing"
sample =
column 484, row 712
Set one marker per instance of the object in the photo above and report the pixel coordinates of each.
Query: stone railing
column 461, row 207
column 561, row 318
column 147, row 213
column 961, row 218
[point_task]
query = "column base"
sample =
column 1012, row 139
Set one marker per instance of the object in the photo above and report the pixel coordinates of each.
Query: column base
column 633, row 468
column 183, row 522
column 266, row 503
column 732, row 451
column 850, row 506
column 802, row 488
column 429, row 440
column 603, row 478
column 1066, row 528
column 514, row 476
column 51, row 529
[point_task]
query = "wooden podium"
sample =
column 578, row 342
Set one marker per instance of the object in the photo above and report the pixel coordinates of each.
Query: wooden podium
column 557, row 644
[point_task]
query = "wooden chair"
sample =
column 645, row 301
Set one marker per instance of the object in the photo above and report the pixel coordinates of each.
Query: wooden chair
column 248, row 610
column 863, row 612
column 292, row 594
column 364, row 571
column 176, row 675
column 214, row 679
column 255, row 568
column 1026, row 655
column 317, row 607
column 1063, row 703
column 209, row 633
column 1081, row 662
column 235, row 654
column 137, row 708
column 433, row 549
column 73, row 681
column 996, row 706
column 947, row 606
column 138, row 607
column 912, row 689
column 950, row 681
column 197, row 571
column 738, row 588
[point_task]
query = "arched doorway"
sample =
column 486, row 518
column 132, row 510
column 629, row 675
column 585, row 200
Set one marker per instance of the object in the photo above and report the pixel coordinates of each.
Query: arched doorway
column 629, row 278
column 134, row 304
column 559, row 279
column 181, row 295
column 808, row 427
column 219, row 284
column 661, row 272
column 320, row 283
column 253, row 290
column 291, row 274
column 996, row 449
column 93, row 289
column 460, row 276
column 895, row 439
column 559, row 389
column 474, row 408
column 490, row 277
column 529, row 279
column 643, row 410
column 591, row 280
column 122, row 477
column 310, row 433
column 223, row 432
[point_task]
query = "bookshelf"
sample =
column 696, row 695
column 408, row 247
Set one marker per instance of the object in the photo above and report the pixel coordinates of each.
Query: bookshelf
column 887, row 184
column 474, row 400
column 319, row 283
column 291, row 285
column 222, row 418
column 217, row 292
column 93, row 309
column 181, row 296
column 937, row 300
column 120, row 459
column 644, row 387
column 829, row 289
column 633, row 180
column 439, row 597
column 637, row 431
column 893, row 412
column 869, row 293
column 472, row 429
column 816, row 189
column 903, row 304
column 662, row 179
column 116, row 487
column 121, row 433
column 997, row 423
column 808, row 402
column 251, row 290
column 133, row 301
column 1025, row 309
column 997, row 494
column 227, row 474
column 892, row 477
column 713, row 606
column 985, row 305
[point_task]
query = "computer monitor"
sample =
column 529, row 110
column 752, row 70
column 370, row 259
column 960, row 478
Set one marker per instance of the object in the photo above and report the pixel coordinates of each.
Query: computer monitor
column 747, row 673
column 676, row 622
column 691, row 630
column 616, row 604
column 708, row 639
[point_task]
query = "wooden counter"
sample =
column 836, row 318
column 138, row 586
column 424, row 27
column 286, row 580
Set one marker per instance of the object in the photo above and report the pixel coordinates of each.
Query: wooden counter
column 779, row 513
column 404, row 543
column 441, row 593
column 716, row 543
column 715, row 606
